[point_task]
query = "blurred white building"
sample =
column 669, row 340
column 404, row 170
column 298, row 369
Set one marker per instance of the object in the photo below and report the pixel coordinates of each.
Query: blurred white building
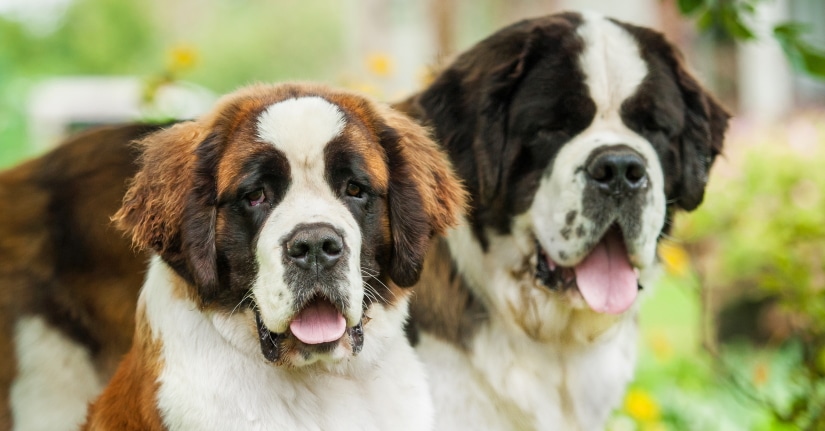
column 58, row 106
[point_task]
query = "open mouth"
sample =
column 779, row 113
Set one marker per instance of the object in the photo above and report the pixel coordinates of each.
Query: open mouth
column 319, row 326
column 605, row 278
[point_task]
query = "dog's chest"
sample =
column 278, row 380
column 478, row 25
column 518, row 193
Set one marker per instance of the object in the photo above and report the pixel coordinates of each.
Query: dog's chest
column 245, row 394
column 214, row 377
column 252, row 399
column 509, row 382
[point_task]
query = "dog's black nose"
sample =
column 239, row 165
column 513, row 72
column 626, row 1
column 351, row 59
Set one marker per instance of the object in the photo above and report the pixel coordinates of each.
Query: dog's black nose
column 316, row 246
column 617, row 170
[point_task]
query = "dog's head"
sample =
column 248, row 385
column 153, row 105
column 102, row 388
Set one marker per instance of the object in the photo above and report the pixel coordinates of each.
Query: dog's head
column 292, row 208
column 577, row 137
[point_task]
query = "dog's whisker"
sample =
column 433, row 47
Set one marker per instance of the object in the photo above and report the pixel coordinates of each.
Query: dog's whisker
column 369, row 293
column 246, row 296
column 384, row 285
column 372, row 293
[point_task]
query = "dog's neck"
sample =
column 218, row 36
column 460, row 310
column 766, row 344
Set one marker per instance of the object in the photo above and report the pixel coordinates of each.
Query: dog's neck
column 520, row 349
column 213, row 376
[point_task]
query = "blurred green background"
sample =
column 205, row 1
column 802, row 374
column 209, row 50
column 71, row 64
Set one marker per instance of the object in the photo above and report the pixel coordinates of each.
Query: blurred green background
column 220, row 45
column 733, row 335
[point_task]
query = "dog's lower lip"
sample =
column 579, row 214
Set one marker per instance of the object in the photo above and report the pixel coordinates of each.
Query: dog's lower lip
column 552, row 275
column 270, row 341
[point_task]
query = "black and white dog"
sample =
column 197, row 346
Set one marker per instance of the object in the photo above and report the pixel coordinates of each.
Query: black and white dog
column 578, row 137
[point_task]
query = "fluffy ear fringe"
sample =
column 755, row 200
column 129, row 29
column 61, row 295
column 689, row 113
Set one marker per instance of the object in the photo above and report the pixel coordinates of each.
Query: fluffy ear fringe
column 169, row 206
column 425, row 195
column 153, row 206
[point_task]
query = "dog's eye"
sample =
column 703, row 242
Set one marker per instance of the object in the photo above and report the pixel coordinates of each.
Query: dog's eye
column 354, row 190
column 256, row 197
column 652, row 126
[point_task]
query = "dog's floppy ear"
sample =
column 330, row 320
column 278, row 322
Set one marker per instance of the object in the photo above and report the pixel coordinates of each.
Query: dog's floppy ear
column 705, row 124
column 702, row 136
column 467, row 107
column 170, row 206
column 468, row 103
column 424, row 197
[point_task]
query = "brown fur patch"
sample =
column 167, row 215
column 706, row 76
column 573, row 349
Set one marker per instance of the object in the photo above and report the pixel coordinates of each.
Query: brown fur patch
column 129, row 401
column 444, row 306
column 61, row 258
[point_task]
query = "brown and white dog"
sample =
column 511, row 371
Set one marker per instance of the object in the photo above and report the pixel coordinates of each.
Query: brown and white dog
column 282, row 222
column 578, row 137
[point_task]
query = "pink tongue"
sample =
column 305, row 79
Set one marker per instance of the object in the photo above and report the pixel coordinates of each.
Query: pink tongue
column 319, row 323
column 605, row 278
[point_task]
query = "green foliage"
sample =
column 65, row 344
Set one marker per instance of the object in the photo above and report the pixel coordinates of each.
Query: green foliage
column 94, row 37
column 802, row 55
column 264, row 41
column 233, row 43
column 737, row 387
column 731, row 19
column 763, row 229
column 767, row 228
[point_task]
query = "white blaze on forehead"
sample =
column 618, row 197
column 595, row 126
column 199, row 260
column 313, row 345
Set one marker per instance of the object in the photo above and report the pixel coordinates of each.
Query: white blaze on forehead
column 301, row 127
column 611, row 62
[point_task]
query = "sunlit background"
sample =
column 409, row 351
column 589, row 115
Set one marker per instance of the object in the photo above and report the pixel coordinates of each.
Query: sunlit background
column 733, row 335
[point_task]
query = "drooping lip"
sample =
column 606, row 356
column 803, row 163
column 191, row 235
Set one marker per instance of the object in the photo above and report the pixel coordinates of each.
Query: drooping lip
column 604, row 294
column 273, row 344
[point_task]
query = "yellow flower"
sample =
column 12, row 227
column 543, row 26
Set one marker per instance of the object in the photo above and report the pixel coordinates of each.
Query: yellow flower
column 379, row 64
column 675, row 258
column 641, row 406
column 182, row 57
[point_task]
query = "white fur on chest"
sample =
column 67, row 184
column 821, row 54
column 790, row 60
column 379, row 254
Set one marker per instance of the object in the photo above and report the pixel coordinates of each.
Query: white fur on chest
column 211, row 383
column 509, row 382
column 541, row 361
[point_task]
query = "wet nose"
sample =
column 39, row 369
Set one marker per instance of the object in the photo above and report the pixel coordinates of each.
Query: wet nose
column 315, row 246
column 617, row 170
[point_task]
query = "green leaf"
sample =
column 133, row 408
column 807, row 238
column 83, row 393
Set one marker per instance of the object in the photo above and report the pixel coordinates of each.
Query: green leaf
column 790, row 30
column 705, row 21
column 802, row 56
column 813, row 60
column 733, row 23
column 687, row 7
